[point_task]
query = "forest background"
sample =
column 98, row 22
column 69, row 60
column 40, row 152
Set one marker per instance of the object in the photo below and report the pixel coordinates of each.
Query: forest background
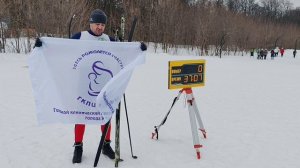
column 203, row 25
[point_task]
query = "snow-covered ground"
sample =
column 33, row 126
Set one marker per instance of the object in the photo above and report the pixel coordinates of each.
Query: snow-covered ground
column 250, row 109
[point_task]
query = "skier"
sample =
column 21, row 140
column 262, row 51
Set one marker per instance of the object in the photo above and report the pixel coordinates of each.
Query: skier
column 98, row 20
column 294, row 53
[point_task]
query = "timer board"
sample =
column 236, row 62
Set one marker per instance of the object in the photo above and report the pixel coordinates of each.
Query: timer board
column 186, row 74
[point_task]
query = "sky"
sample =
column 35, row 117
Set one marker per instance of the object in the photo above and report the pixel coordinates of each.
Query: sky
column 296, row 3
column 250, row 110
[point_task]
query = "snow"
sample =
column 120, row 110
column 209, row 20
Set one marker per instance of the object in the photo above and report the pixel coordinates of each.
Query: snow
column 250, row 109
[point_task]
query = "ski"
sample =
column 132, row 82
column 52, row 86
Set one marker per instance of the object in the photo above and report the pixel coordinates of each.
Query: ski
column 117, row 137
column 132, row 29
column 101, row 143
column 70, row 24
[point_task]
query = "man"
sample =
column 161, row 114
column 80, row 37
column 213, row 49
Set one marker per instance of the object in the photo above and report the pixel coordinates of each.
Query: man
column 97, row 21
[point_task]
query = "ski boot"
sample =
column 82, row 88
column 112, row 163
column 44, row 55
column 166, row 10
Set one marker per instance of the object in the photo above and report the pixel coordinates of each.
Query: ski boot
column 77, row 152
column 107, row 150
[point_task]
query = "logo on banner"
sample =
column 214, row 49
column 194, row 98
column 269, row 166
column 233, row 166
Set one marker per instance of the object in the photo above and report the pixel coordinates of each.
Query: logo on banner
column 95, row 77
column 102, row 66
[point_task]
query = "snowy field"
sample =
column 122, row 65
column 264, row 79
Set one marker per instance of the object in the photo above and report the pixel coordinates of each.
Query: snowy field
column 250, row 109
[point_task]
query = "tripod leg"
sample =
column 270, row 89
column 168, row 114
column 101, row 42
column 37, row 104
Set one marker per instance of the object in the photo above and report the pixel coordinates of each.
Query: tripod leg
column 194, row 130
column 155, row 133
column 197, row 114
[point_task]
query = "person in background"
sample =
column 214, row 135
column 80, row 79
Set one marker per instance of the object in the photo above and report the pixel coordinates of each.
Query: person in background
column 281, row 52
column 272, row 54
column 265, row 54
column 258, row 53
column 1, row 46
column 276, row 51
column 294, row 53
column 261, row 53
column 252, row 52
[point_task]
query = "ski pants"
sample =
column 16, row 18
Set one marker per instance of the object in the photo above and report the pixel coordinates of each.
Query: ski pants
column 79, row 132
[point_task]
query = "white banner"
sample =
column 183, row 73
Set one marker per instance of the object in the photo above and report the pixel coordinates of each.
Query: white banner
column 81, row 81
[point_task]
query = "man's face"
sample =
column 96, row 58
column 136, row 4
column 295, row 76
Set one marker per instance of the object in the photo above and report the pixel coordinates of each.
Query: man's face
column 97, row 28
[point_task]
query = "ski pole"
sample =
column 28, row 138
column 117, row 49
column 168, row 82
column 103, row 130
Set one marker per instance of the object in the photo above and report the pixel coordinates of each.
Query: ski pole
column 155, row 133
column 134, row 157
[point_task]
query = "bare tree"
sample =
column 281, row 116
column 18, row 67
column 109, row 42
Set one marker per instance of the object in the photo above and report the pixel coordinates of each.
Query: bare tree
column 203, row 25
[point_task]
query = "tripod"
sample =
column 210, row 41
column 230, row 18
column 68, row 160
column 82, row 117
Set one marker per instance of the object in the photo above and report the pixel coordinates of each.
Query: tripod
column 194, row 116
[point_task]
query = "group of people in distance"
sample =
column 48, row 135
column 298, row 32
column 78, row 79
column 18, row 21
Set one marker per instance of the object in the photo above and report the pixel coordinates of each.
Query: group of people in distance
column 274, row 52
column 262, row 53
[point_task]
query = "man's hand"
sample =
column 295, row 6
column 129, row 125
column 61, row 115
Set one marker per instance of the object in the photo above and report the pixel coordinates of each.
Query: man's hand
column 38, row 42
column 143, row 46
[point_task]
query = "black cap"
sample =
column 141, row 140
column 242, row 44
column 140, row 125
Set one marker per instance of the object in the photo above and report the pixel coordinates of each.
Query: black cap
column 98, row 16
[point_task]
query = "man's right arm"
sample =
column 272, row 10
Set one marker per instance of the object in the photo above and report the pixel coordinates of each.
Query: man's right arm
column 76, row 36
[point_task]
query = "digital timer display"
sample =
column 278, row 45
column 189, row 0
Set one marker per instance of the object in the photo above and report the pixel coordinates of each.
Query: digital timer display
column 186, row 74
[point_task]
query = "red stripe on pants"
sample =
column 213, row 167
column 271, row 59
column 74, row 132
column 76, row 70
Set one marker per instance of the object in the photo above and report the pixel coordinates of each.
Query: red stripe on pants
column 79, row 132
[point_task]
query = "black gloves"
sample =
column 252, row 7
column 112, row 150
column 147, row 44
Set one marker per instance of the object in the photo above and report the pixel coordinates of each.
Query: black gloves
column 38, row 43
column 143, row 46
